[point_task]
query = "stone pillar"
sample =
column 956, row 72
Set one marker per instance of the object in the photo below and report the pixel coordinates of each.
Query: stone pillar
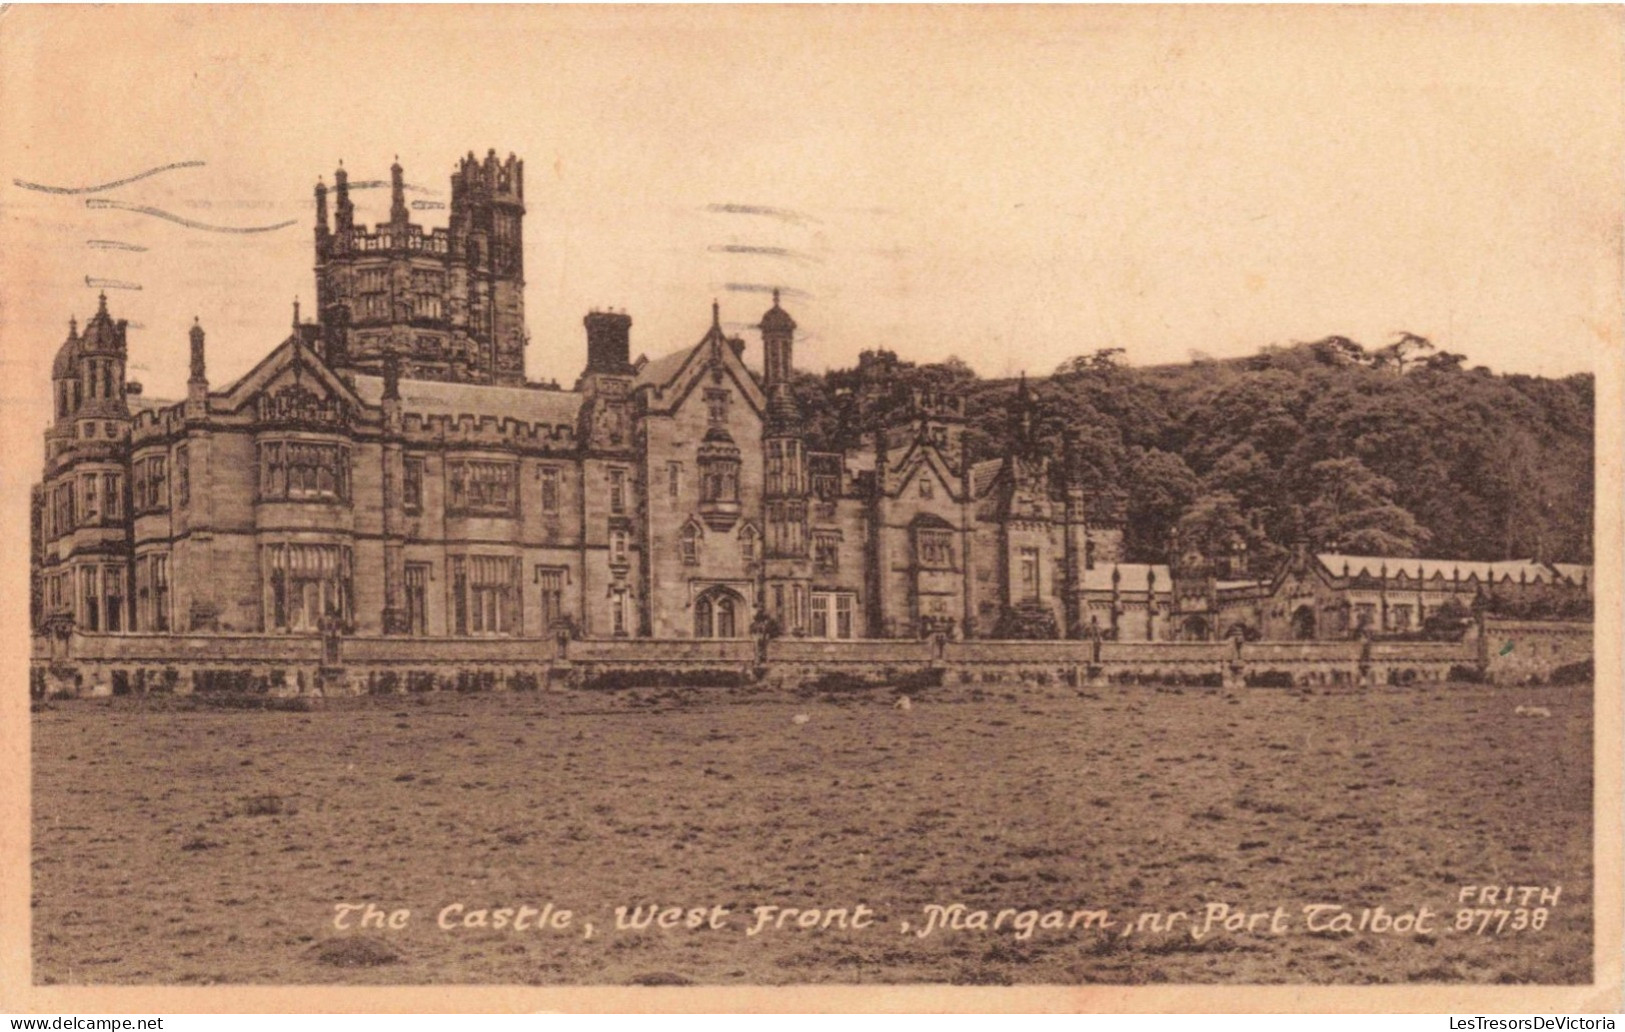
column 394, row 615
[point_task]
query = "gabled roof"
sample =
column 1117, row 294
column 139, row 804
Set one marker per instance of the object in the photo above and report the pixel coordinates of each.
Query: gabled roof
column 670, row 378
column 919, row 458
column 983, row 475
column 1577, row 573
column 661, row 371
column 437, row 398
column 291, row 352
column 1426, row 569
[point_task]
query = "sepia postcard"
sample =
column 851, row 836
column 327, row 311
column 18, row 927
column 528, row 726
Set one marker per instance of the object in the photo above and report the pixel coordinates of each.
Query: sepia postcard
column 845, row 508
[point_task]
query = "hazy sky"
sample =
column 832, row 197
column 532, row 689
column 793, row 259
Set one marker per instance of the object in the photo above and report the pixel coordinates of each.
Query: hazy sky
column 1010, row 185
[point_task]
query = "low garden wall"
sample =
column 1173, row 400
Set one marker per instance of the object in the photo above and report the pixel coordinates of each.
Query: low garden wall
column 1508, row 652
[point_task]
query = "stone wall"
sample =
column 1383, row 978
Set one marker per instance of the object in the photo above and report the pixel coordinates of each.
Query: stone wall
column 1524, row 651
column 1509, row 652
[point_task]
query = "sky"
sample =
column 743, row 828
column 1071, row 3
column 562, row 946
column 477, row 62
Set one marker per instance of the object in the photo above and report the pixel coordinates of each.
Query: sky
column 1012, row 186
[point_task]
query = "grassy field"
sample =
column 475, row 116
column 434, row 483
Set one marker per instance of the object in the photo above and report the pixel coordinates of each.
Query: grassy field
column 180, row 845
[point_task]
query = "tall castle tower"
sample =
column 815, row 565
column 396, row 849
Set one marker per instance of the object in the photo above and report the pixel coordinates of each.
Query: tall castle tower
column 447, row 304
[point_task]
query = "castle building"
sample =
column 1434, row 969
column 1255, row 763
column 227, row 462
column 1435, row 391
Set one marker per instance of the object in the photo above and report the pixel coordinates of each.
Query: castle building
column 387, row 469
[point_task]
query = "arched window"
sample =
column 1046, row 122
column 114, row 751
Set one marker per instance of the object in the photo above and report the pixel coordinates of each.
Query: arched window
column 750, row 543
column 688, row 544
column 718, row 613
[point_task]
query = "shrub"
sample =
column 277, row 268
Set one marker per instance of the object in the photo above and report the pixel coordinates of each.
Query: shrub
column 524, row 681
column 1465, row 674
column 386, row 683
column 240, row 681
column 1269, row 679
column 1575, row 673
column 703, row 677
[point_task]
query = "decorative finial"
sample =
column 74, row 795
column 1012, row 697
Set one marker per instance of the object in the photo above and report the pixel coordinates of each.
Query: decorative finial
column 716, row 314
column 73, row 326
column 775, row 297
column 296, row 310
column 101, row 302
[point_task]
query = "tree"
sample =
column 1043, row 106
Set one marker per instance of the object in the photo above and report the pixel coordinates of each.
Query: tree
column 1102, row 360
column 1353, row 510
column 1160, row 488
column 1337, row 351
column 1403, row 349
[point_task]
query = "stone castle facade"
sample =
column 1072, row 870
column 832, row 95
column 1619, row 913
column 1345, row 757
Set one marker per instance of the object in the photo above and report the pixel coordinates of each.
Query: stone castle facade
column 388, row 470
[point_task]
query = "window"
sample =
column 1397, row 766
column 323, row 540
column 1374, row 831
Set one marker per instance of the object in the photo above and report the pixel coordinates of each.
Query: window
column 688, row 543
column 89, row 498
column 308, row 582
column 774, row 483
column 485, row 594
column 551, row 580
column 304, row 471
column 113, row 591
column 151, row 487
column 183, row 476
column 1401, row 617
column 717, row 614
column 152, row 592
column 617, row 492
column 62, row 504
column 412, row 484
column 936, row 548
column 90, row 593
column 159, row 565
column 750, row 543
column 832, row 615
column 617, row 614
column 550, row 488
column 674, row 480
column 720, row 482
column 618, row 548
column 716, row 407
column 927, row 490
column 417, row 598
column 827, row 552
column 482, row 488
column 820, row 616
column 1029, row 574
column 1365, row 615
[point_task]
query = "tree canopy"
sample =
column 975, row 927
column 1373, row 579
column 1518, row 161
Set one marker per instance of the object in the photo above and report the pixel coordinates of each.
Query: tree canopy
column 1400, row 450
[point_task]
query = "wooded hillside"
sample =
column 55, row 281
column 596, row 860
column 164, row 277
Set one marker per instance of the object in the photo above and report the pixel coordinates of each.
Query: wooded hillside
column 1400, row 451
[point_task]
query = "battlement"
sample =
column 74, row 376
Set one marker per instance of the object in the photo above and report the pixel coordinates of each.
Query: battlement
column 389, row 238
column 466, row 429
column 501, row 181
column 156, row 424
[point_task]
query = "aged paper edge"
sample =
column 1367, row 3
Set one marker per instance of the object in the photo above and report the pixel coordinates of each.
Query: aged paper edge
column 19, row 468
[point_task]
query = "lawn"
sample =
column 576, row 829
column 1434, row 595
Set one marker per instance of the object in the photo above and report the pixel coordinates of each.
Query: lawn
column 175, row 844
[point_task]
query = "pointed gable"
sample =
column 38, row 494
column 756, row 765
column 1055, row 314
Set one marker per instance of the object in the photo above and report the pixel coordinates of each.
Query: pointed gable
column 291, row 384
column 666, row 382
